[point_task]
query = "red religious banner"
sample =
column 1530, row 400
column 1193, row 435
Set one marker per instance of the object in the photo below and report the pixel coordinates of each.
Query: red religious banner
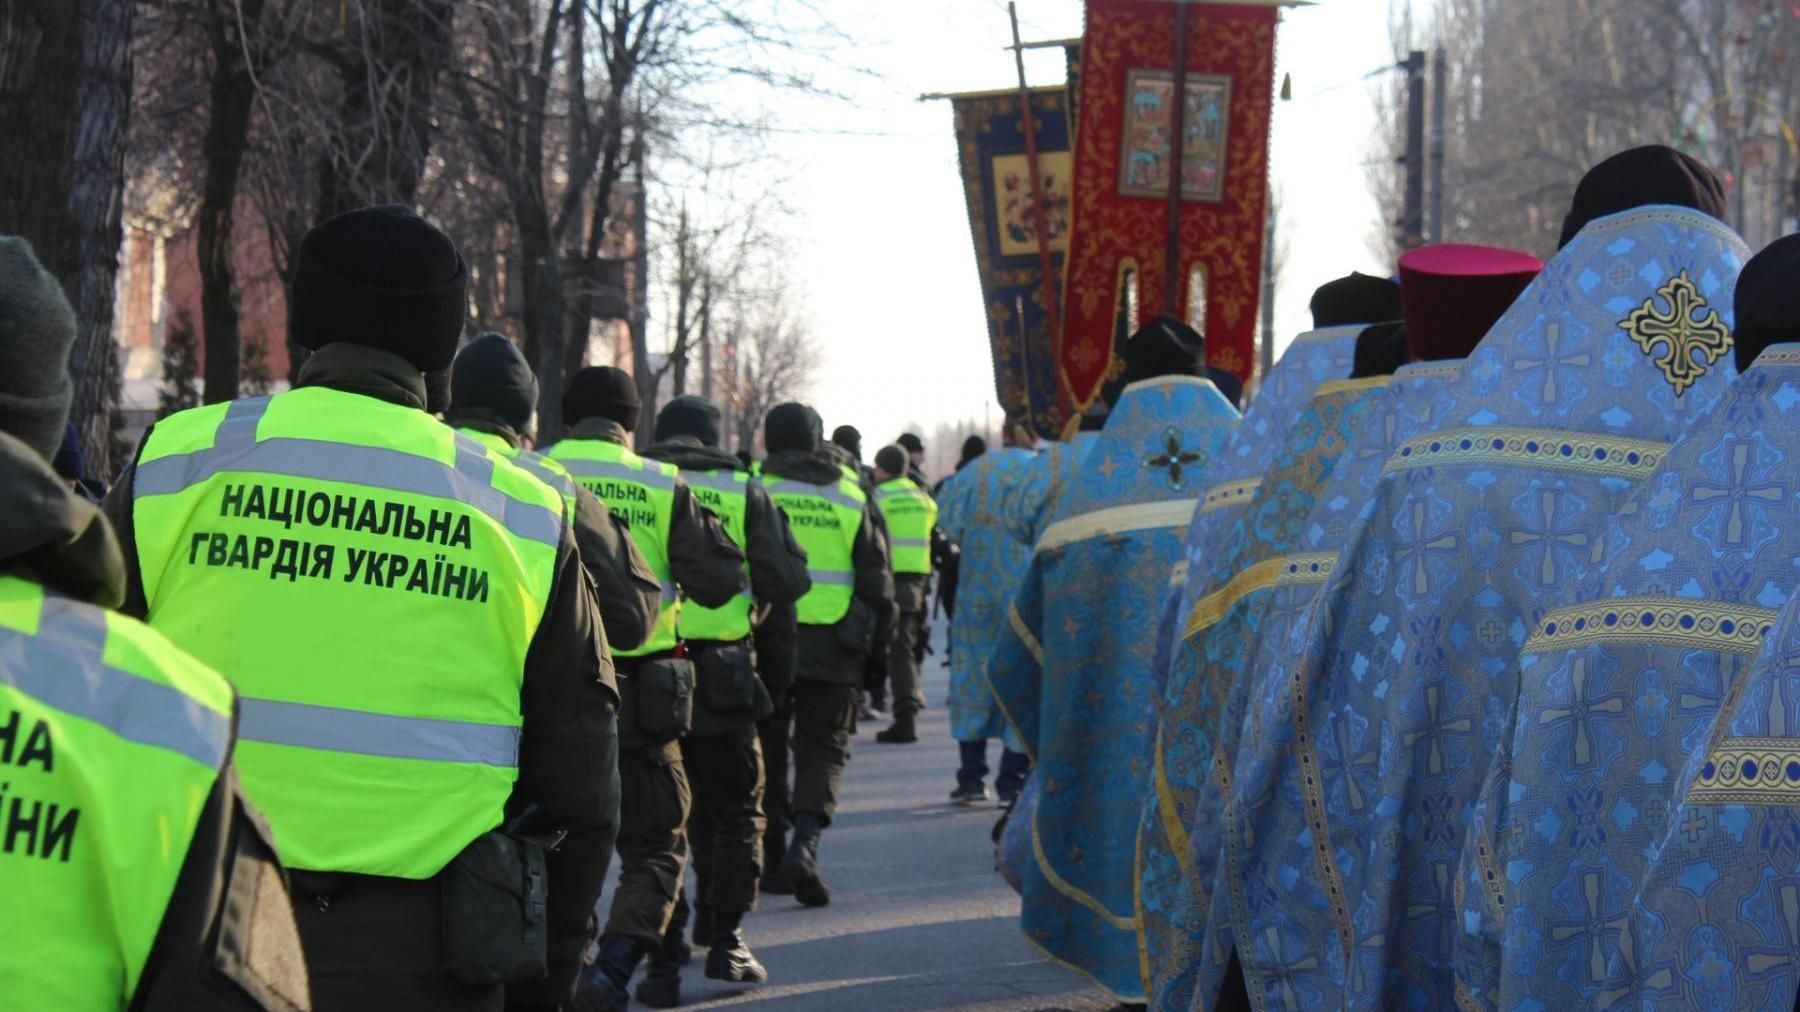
column 1121, row 238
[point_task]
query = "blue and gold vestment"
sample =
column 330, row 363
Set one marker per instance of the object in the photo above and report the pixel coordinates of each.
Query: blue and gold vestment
column 1401, row 695
column 1618, row 687
column 1207, row 661
column 993, row 563
column 1072, row 670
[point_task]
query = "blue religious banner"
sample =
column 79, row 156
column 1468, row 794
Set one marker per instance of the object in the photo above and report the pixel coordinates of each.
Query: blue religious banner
column 1072, row 669
column 1400, row 696
column 1618, row 687
column 1004, row 214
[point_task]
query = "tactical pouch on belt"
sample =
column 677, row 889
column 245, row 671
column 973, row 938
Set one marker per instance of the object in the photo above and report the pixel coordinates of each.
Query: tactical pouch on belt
column 494, row 922
column 728, row 682
column 856, row 630
column 657, row 700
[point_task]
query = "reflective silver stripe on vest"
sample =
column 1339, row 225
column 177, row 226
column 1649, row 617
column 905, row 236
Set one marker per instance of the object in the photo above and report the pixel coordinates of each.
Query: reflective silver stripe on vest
column 820, row 578
column 911, row 542
column 718, row 481
column 826, row 492
column 669, row 592
column 61, row 668
column 359, row 732
column 235, row 448
column 649, row 474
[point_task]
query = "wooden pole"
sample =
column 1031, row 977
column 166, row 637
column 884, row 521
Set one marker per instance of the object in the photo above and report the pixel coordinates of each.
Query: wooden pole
column 1040, row 214
column 1171, row 303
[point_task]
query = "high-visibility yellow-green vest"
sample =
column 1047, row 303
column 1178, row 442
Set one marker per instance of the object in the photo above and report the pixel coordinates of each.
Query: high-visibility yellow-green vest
column 371, row 580
column 643, row 493
column 110, row 741
column 539, row 466
column 910, row 514
column 825, row 520
column 723, row 494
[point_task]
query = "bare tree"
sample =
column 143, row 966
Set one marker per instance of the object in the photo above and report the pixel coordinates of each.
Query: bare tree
column 775, row 358
column 1541, row 90
column 65, row 99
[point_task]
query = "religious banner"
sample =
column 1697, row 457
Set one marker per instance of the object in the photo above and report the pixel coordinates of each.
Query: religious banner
column 1122, row 245
column 1003, row 218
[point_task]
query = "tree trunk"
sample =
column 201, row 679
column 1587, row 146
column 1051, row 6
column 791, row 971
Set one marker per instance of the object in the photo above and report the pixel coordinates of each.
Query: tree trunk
column 543, row 316
column 65, row 84
column 233, row 98
column 96, row 206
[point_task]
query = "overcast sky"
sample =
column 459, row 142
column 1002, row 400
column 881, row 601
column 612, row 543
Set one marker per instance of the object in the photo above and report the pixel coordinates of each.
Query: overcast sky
column 883, row 253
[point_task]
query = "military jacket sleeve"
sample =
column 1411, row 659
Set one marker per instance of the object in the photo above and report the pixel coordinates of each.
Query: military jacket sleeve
column 567, row 701
column 709, row 568
column 227, row 939
column 625, row 588
column 778, row 649
column 777, row 562
column 117, row 507
column 568, row 762
column 875, row 576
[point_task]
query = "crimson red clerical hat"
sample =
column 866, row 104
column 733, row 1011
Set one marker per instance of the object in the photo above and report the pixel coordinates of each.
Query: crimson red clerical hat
column 1452, row 294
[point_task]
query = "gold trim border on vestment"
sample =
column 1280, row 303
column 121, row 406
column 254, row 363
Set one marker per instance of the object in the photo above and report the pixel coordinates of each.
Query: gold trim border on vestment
column 1145, row 516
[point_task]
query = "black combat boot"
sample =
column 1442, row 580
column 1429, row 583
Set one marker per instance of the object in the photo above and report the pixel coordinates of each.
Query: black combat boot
column 661, row 986
column 802, row 863
column 730, row 957
column 901, row 733
column 601, row 987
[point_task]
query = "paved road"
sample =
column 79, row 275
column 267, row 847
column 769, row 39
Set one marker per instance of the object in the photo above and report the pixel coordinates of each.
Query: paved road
column 918, row 917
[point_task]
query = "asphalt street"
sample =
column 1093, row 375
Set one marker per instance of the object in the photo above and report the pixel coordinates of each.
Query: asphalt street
column 918, row 918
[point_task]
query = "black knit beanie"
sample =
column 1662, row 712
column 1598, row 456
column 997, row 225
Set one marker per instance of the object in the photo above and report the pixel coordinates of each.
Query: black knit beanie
column 382, row 277
column 791, row 427
column 973, row 447
column 491, row 375
column 37, row 329
column 891, row 459
column 689, row 415
column 910, row 442
column 603, row 391
column 849, row 438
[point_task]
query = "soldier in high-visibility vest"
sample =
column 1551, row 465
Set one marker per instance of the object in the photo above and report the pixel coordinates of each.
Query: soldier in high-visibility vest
column 845, row 447
column 426, row 699
column 845, row 619
column 493, row 399
column 911, row 516
column 122, row 823
column 736, row 687
column 692, row 557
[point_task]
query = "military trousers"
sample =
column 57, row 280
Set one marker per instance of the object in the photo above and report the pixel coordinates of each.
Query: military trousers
column 725, row 827
column 653, row 846
column 773, row 734
column 904, row 663
column 824, row 720
column 906, row 652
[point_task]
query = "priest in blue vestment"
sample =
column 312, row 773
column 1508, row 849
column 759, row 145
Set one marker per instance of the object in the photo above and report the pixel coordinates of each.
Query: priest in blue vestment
column 1400, row 700
column 992, row 565
column 1619, row 685
column 1229, row 867
column 1716, row 922
column 1178, row 747
column 1072, row 670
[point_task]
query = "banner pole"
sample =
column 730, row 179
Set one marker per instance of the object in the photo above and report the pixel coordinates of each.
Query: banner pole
column 1040, row 214
column 1177, row 141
